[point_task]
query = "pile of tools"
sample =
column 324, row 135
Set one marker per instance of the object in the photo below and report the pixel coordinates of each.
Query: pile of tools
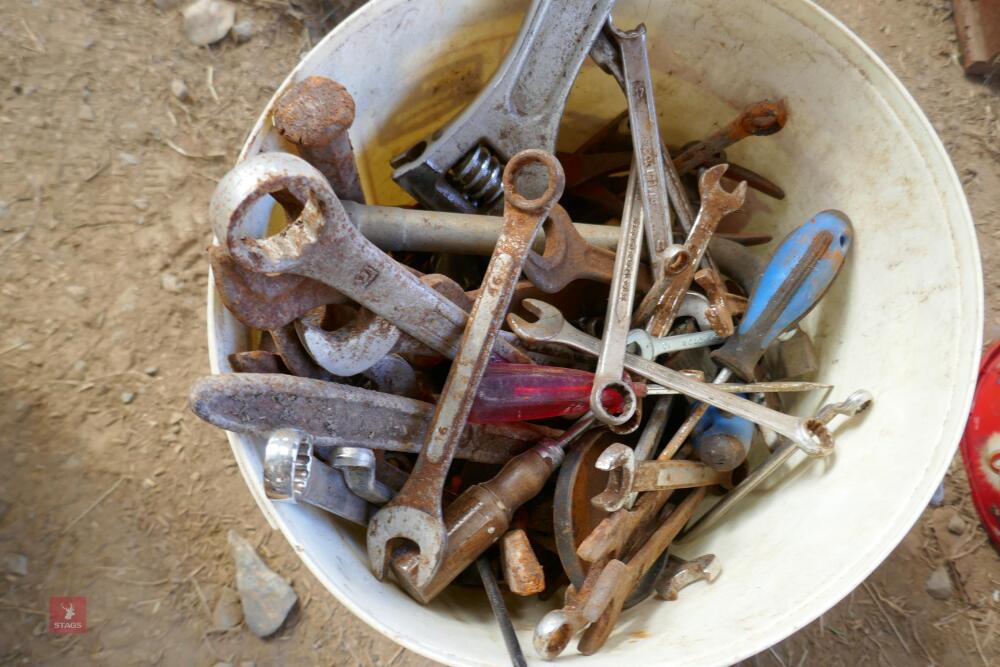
column 392, row 396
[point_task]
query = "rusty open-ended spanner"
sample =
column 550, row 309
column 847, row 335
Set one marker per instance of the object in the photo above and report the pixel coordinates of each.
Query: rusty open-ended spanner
column 628, row 476
column 323, row 244
column 458, row 168
column 568, row 256
column 663, row 301
column 415, row 513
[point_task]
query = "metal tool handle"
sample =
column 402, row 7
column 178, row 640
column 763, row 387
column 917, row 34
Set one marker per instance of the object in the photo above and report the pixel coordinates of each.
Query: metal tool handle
column 522, row 218
column 855, row 404
column 646, row 143
column 415, row 513
column 608, row 374
column 807, row 432
column 520, row 108
column 798, row 274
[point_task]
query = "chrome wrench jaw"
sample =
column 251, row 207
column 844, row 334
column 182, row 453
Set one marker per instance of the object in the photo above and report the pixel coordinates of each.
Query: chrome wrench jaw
column 619, row 462
column 358, row 467
column 351, row 349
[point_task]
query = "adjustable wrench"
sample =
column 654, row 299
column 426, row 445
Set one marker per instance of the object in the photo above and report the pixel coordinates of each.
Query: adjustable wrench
column 459, row 167
column 551, row 327
column 663, row 301
column 415, row 513
column 324, row 245
column 608, row 374
column 649, row 154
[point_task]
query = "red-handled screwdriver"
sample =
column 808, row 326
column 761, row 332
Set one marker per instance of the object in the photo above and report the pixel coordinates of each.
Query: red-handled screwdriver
column 522, row 392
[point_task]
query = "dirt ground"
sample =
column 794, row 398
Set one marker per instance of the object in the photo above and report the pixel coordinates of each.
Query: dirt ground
column 114, row 491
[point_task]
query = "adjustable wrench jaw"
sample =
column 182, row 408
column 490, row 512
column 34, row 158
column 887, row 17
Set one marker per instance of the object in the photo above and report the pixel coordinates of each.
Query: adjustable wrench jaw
column 459, row 167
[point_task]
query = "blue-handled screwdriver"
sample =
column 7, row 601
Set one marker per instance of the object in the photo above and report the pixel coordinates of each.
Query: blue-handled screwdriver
column 796, row 277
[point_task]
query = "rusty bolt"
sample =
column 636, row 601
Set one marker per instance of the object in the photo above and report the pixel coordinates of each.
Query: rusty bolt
column 315, row 114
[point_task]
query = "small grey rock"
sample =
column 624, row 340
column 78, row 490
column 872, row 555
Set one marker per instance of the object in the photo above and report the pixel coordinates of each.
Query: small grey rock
column 170, row 282
column 180, row 90
column 956, row 525
column 208, row 21
column 16, row 564
column 166, row 5
column 939, row 584
column 228, row 613
column 266, row 598
column 151, row 371
column 127, row 397
column 242, row 31
column 129, row 159
column 937, row 500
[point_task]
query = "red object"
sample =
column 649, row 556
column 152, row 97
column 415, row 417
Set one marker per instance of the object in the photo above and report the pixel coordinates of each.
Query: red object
column 520, row 392
column 981, row 444
column 68, row 615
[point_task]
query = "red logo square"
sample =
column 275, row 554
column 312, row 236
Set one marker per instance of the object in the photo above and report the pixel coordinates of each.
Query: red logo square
column 68, row 615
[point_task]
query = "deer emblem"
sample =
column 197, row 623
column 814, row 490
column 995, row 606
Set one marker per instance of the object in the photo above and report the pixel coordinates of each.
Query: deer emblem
column 69, row 611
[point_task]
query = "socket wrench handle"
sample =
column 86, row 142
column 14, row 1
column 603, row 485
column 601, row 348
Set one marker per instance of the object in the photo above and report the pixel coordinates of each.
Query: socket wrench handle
column 797, row 276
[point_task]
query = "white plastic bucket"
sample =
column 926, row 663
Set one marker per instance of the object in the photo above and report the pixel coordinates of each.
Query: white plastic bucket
column 904, row 320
